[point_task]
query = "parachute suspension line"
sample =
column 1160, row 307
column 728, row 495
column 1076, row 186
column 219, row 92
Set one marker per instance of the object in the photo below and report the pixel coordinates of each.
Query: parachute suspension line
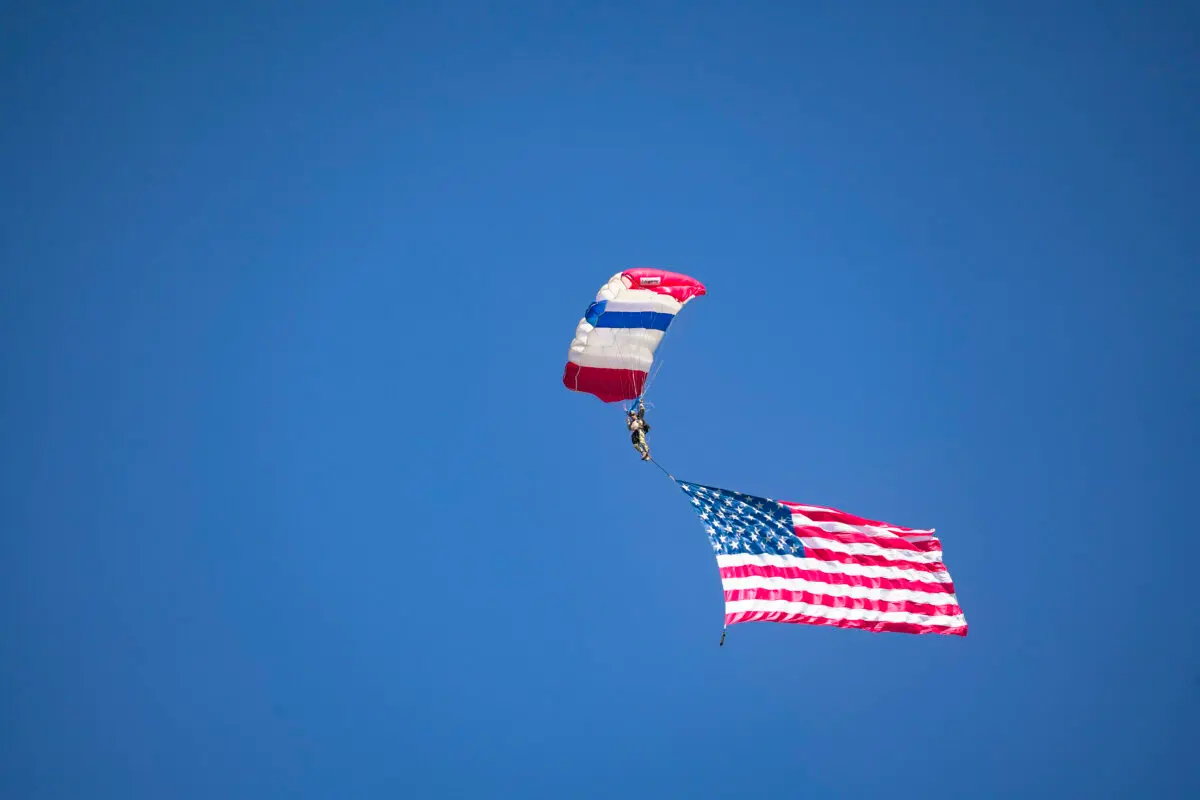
column 658, row 362
column 658, row 359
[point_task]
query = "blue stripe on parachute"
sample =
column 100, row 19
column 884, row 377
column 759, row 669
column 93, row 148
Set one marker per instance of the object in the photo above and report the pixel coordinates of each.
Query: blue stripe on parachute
column 594, row 311
column 598, row 317
column 653, row 320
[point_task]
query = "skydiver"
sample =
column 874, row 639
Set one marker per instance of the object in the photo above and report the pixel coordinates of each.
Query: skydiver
column 639, row 427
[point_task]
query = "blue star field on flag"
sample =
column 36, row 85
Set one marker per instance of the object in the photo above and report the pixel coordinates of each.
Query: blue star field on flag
column 739, row 523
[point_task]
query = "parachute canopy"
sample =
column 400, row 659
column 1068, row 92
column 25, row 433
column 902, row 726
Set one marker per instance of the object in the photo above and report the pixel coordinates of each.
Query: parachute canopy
column 615, row 341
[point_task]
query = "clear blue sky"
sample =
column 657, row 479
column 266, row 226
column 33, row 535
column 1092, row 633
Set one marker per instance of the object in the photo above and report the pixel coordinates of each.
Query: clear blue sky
column 294, row 504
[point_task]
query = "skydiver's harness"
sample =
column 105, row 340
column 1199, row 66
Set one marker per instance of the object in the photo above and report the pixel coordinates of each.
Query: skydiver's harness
column 637, row 425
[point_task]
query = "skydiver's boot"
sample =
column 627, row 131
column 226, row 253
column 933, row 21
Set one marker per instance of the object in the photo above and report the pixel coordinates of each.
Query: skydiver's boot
column 639, row 444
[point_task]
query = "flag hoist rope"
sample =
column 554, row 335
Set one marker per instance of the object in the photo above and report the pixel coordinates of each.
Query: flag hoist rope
column 724, row 628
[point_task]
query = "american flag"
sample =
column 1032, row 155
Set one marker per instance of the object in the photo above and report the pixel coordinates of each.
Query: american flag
column 790, row 562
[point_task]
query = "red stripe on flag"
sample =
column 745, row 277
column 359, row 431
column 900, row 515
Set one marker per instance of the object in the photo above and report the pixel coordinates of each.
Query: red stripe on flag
column 877, row 627
column 822, row 514
column 839, row 601
column 890, row 542
column 871, row 561
column 835, row 578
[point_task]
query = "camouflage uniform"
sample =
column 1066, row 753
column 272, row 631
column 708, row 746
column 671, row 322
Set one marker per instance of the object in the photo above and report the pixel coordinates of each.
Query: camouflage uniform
column 639, row 427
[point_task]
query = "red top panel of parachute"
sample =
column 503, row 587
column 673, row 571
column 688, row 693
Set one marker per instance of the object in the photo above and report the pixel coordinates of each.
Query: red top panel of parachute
column 681, row 287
